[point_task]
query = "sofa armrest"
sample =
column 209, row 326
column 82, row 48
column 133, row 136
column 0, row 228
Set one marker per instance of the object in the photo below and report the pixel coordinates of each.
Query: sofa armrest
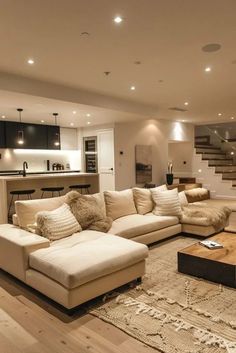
column 15, row 246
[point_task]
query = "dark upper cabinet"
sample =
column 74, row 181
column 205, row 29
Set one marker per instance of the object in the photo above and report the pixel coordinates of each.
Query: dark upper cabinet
column 35, row 136
column 53, row 136
column 11, row 134
column 2, row 134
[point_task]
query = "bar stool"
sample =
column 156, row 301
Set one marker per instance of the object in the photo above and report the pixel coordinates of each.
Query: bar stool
column 52, row 189
column 18, row 193
column 81, row 187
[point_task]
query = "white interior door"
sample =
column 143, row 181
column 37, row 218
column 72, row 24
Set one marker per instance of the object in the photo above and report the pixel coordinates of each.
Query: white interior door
column 106, row 160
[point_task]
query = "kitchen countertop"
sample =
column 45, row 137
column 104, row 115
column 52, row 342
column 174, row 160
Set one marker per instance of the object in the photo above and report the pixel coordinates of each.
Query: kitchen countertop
column 17, row 172
column 46, row 175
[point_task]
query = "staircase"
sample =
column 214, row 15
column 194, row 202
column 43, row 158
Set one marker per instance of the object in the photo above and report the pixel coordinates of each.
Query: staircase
column 214, row 168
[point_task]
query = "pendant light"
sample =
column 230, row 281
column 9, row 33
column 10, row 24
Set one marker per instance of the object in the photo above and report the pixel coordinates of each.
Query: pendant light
column 20, row 133
column 57, row 137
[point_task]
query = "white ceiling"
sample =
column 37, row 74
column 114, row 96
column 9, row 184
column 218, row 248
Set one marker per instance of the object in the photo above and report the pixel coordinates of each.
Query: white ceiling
column 165, row 35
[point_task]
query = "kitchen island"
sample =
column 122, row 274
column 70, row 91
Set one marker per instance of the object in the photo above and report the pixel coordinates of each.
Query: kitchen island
column 37, row 181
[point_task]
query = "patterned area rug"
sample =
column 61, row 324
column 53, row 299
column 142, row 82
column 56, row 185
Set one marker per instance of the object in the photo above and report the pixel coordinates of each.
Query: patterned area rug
column 172, row 312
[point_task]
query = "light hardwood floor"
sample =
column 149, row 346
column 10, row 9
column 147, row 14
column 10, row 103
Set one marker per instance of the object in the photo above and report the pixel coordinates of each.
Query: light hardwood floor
column 29, row 323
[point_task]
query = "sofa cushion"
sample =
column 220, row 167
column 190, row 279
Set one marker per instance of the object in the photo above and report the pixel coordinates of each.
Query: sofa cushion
column 167, row 203
column 197, row 194
column 57, row 224
column 143, row 200
column 86, row 256
column 27, row 209
column 135, row 225
column 119, row 203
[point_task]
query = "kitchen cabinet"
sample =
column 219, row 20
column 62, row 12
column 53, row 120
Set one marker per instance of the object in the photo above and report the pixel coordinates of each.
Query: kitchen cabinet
column 36, row 136
column 53, row 133
column 2, row 134
column 69, row 139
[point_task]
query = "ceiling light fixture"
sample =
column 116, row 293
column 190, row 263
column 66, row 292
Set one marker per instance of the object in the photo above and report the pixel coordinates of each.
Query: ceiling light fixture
column 219, row 114
column 74, row 112
column 30, row 61
column 232, row 118
column 118, row 19
column 88, row 115
column 232, row 153
column 57, row 137
column 42, row 121
column 71, row 124
column 3, row 116
column 132, row 88
column 20, row 133
column 88, row 123
column 208, row 69
column 186, row 103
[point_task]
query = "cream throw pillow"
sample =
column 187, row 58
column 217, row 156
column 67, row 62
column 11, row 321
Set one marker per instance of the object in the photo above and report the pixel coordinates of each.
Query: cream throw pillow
column 167, row 203
column 183, row 199
column 119, row 203
column 57, row 224
column 159, row 188
column 143, row 200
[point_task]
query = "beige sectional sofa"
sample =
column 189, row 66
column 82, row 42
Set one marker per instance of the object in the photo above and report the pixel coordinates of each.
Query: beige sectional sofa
column 84, row 265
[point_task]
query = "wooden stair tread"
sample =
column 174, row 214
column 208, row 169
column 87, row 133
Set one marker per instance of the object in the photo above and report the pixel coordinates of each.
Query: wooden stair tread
column 220, row 153
column 207, row 147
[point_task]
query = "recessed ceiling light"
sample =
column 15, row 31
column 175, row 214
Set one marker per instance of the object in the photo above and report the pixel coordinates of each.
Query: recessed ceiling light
column 30, row 61
column 183, row 121
column 132, row 88
column 219, row 114
column 118, row 19
column 208, row 69
column 232, row 118
column 74, row 112
column 42, row 121
column 88, row 115
column 3, row 116
column 185, row 103
column 71, row 124
column 232, row 153
column 88, row 123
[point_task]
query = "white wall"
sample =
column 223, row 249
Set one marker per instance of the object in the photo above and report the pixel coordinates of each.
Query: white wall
column 157, row 133
column 180, row 152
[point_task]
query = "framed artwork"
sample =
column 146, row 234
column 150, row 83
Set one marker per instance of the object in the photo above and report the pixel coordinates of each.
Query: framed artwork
column 143, row 164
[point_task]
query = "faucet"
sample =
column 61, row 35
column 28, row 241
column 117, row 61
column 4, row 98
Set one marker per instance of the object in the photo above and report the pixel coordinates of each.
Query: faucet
column 25, row 166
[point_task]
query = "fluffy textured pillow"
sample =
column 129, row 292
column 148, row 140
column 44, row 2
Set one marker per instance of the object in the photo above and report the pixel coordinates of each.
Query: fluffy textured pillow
column 167, row 203
column 197, row 194
column 57, row 224
column 99, row 197
column 183, row 199
column 88, row 212
column 143, row 200
column 119, row 203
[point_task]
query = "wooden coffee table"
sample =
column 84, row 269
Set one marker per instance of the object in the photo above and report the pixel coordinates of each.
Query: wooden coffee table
column 217, row 265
